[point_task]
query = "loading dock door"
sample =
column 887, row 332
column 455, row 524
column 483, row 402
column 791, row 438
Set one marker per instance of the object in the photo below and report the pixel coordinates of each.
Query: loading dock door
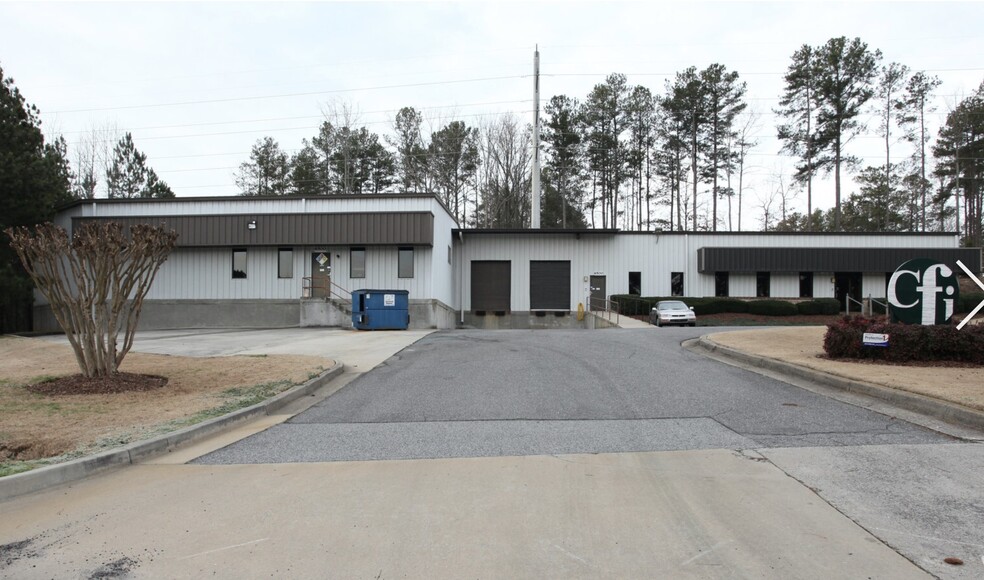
column 490, row 286
column 550, row 285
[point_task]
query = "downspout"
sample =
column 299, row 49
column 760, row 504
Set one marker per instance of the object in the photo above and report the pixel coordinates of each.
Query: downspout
column 461, row 275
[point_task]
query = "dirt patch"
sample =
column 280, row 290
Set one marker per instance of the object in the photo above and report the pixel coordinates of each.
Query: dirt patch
column 35, row 425
column 803, row 346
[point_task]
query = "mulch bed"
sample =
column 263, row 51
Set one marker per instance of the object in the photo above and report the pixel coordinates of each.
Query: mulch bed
column 82, row 385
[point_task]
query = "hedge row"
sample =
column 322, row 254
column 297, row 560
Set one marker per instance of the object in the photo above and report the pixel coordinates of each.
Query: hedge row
column 906, row 342
column 635, row 305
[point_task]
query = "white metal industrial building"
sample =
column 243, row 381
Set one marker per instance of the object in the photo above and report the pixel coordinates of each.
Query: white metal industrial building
column 262, row 262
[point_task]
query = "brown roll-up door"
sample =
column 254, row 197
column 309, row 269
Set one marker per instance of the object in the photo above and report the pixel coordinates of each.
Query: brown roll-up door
column 550, row 285
column 490, row 286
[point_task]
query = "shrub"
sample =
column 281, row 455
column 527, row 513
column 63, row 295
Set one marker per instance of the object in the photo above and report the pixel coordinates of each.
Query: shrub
column 808, row 308
column 907, row 342
column 829, row 306
column 773, row 308
column 969, row 301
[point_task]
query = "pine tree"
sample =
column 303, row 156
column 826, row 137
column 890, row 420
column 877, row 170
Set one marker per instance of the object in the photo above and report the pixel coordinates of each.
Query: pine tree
column 453, row 163
column 604, row 113
column 959, row 152
column 798, row 106
column 912, row 116
column 724, row 101
column 34, row 180
column 563, row 172
column 845, row 70
column 411, row 151
column 127, row 172
column 128, row 175
column 267, row 172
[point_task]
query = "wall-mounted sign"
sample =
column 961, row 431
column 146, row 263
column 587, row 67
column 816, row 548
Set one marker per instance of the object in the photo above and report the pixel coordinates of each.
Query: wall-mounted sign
column 923, row 291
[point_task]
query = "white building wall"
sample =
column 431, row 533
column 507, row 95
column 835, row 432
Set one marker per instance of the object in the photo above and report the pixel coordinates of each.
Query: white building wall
column 381, row 269
column 741, row 285
column 823, row 285
column 784, row 286
column 873, row 285
column 442, row 283
column 206, row 274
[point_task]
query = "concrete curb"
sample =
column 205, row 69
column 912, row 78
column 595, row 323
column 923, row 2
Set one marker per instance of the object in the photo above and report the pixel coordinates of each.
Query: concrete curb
column 939, row 409
column 70, row 471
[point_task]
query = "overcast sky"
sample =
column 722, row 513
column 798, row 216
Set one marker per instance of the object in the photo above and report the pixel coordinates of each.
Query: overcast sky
column 198, row 84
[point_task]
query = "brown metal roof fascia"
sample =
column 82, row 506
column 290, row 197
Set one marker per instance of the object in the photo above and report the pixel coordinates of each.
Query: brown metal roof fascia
column 515, row 231
column 227, row 198
column 356, row 229
column 728, row 259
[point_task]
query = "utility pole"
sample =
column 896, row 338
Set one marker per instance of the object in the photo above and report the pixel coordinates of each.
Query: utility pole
column 535, row 194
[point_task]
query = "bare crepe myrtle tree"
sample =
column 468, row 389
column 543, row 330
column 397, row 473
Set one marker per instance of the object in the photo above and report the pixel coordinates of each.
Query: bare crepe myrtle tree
column 95, row 282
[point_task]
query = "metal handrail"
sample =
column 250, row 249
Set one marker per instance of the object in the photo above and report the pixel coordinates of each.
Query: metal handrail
column 607, row 306
column 308, row 284
column 871, row 307
column 847, row 304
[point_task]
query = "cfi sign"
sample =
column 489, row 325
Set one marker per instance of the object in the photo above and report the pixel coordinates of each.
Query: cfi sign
column 923, row 291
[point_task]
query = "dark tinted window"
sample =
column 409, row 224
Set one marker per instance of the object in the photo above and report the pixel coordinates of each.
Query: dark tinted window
column 285, row 263
column 762, row 284
column 676, row 284
column 239, row 263
column 635, row 283
column 357, row 263
column 806, row 284
column 721, row 280
column 405, row 265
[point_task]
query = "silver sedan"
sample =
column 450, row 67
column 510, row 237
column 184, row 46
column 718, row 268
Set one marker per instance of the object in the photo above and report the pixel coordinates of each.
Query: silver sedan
column 667, row 312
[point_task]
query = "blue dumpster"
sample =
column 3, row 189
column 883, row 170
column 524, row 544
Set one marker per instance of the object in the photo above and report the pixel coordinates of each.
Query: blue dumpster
column 380, row 309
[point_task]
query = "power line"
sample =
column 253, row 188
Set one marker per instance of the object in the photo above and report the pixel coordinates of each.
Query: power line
column 286, row 95
column 212, row 123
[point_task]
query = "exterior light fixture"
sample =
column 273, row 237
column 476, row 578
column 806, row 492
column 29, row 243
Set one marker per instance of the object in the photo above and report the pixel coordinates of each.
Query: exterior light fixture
column 251, row 225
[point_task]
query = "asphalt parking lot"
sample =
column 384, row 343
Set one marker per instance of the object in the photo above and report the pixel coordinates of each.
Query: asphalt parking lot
column 512, row 393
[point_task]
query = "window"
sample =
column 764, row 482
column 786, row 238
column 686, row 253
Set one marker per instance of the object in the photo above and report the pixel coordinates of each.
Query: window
column 285, row 263
column 405, row 263
column 357, row 263
column 676, row 284
column 239, row 263
column 635, row 283
column 806, row 284
column 449, row 254
column 721, row 284
column 762, row 284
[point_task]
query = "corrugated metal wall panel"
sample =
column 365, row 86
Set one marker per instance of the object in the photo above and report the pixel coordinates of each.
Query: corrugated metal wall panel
column 857, row 259
column 784, row 286
column 206, row 273
column 414, row 229
column 873, row 285
column 381, row 269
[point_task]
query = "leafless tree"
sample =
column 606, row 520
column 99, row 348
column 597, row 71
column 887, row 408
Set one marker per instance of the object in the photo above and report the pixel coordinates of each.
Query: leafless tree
column 92, row 156
column 95, row 282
